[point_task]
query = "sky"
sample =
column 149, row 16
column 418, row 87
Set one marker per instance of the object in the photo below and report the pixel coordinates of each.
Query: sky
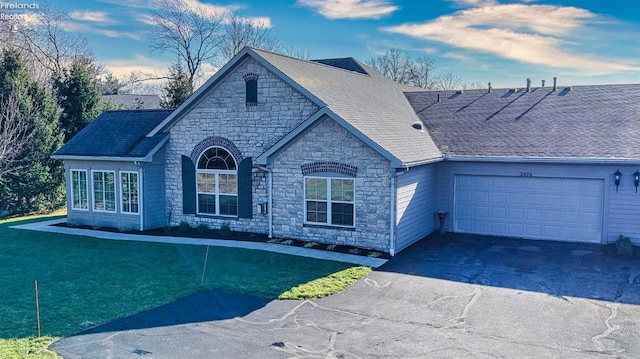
column 504, row 42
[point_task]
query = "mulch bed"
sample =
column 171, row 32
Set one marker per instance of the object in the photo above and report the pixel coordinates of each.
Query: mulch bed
column 610, row 250
column 178, row 231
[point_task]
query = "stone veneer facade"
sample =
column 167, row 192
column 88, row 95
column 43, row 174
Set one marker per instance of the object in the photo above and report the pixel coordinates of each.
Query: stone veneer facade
column 255, row 128
column 328, row 141
column 252, row 129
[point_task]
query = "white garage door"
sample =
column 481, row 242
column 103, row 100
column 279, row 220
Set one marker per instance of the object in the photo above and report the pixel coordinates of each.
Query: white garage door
column 567, row 209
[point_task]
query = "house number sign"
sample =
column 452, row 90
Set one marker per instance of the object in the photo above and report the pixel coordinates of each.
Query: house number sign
column 526, row 174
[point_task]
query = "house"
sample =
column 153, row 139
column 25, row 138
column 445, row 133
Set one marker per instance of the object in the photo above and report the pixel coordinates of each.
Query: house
column 132, row 101
column 331, row 151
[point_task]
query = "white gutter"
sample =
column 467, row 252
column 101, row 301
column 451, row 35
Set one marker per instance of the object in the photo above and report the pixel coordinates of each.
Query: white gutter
column 270, row 195
column 420, row 163
column 392, row 230
column 606, row 161
column 100, row 158
column 141, row 196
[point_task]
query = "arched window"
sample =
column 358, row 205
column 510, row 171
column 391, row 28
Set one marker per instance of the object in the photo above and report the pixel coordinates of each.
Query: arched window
column 217, row 183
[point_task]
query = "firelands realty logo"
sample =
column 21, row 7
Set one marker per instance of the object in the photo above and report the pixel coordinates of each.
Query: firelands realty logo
column 14, row 11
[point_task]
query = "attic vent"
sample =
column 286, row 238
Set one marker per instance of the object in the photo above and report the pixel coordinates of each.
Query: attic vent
column 568, row 88
column 513, row 90
column 460, row 92
column 417, row 125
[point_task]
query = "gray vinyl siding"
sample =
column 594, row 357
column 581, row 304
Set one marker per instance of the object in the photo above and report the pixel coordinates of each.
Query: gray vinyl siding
column 620, row 214
column 97, row 219
column 154, row 210
column 416, row 205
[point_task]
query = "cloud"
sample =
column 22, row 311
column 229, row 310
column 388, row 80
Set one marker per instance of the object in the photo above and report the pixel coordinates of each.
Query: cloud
column 72, row 26
column 93, row 16
column 139, row 63
column 534, row 34
column 351, row 9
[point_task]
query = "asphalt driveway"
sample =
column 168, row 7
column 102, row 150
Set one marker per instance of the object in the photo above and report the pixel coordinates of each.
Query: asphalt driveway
column 448, row 296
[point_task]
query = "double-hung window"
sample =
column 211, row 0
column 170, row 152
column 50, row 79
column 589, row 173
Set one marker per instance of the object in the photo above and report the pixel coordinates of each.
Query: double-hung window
column 129, row 192
column 329, row 201
column 79, row 195
column 217, row 183
column 104, row 191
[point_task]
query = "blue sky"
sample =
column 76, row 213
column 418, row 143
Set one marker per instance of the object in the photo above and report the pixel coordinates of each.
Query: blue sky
column 504, row 42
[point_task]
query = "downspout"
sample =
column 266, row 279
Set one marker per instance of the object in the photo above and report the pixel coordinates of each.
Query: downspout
column 140, row 194
column 270, row 197
column 392, row 231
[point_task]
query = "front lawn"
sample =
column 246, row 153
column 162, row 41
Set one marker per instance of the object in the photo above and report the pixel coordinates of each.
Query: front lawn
column 84, row 282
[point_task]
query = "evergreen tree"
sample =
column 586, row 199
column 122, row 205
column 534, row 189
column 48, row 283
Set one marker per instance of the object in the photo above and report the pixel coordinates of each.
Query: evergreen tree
column 178, row 88
column 36, row 182
column 79, row 97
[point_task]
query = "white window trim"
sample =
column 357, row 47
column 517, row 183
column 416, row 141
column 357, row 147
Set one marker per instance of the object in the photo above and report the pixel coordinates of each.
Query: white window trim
column 122, row 192
column 73, row 190
column 329, row 201
column 115, row 192
column 216, row 192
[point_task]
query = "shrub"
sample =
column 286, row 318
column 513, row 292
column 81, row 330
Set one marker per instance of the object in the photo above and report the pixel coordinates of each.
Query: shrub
column 202, row 228
column 184, row 226
column 624, row 246
column 225, row 230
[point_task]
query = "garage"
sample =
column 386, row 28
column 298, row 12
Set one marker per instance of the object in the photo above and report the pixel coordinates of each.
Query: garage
column 566, row 209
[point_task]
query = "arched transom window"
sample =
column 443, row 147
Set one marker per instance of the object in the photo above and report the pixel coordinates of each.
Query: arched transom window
column 217, row 183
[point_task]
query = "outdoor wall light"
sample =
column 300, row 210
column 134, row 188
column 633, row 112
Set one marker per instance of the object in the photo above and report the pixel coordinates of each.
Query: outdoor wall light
column 636, row 179
column 616, row 178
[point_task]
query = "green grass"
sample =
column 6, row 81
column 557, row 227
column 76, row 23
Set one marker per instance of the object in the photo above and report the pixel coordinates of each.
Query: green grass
column 326, row 286
column 84, row 282
column 27, row 348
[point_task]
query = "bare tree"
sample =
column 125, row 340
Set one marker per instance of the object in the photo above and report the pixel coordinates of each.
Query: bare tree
column 421, row 72
column 394, row 64
column 47, row 44
column 243, row 31
column 476, row 85
column 294, row 51
column 191, row 34
column 447, row 81
column 16, row 133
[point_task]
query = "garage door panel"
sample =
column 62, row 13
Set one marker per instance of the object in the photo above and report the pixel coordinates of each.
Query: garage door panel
column 530, row 207
column 533, row 215
column 515, row 213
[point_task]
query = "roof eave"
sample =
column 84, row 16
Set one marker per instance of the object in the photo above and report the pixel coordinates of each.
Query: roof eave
column 265, row 157
column 100, row 158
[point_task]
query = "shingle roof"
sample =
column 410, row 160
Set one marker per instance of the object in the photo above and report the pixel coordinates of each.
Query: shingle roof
column 117, row 134
column 371, row 103
column 590, row 122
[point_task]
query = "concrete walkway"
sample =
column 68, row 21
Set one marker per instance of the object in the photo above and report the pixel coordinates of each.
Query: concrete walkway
column 49, row 226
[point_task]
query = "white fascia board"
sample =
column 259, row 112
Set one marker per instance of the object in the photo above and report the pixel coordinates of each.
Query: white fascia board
column 99, row 158
column 149, row 157
column 558, row 160
column 263, row 159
